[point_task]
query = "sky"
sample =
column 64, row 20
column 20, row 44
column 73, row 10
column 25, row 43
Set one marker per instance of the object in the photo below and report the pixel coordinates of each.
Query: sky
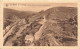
column 36, row 6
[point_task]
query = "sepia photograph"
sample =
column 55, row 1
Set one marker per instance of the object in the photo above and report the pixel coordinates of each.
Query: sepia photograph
column 49, row 24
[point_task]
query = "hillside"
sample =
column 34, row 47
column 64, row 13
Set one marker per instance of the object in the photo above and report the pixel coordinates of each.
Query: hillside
column 57, row 26
column 11, row 15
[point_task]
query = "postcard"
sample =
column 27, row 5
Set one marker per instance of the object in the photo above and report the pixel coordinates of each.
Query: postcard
column 39, row 24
